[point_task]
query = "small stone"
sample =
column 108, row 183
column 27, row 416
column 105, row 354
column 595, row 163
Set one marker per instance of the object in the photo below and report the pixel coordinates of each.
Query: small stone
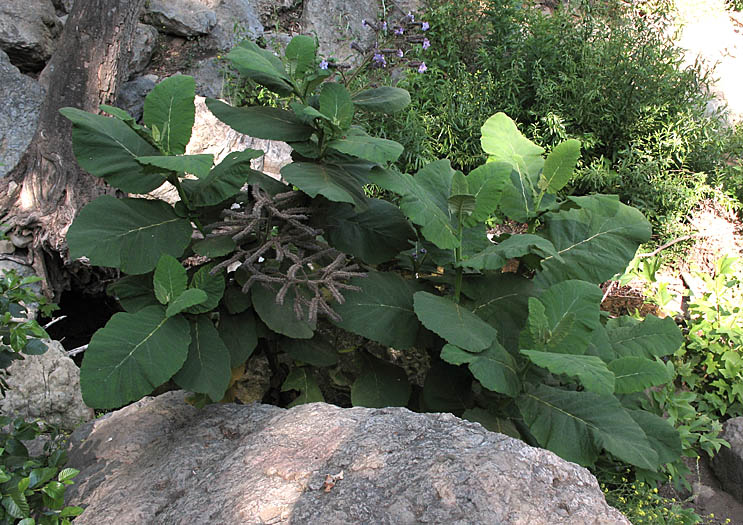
column 20, row 241
column 6, row 246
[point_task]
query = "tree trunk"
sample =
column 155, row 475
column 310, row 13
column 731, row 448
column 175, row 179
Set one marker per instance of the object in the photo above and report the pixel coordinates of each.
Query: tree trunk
column 45, row 191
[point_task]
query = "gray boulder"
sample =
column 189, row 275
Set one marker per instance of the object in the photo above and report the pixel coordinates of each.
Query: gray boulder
column 186, row 18
column 27, row 32
column 64, row 6
column 145, row 40
column 20, row 102
column 209, row 76
column 337, row 24
column 131, row 95
column 46, row 386
column 236, row 20
column 162, row 461
column 728, row 462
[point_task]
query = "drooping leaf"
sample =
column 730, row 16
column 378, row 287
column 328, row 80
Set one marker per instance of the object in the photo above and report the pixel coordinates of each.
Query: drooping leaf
column 495, row 368
column 198, row 165
column 424, row 200
column 300, row 52
column 132, row 355
column 559, row 166
column 261, row 121
column 170, row 108
column 374, row 235
column 302, row 379
column 577, row 425
column 169, row 280
column 223, row 181
column 280, row 317
column 187, row 299
column 207, row 367
column 590, row 370
column 495, row 256
column 492, row 422
column 453, row 322
column 596, row 240
column 359, row 144
column 332, row 182
column 447, row 389
column 382, row 311
column 383, row 99
column 213, row 285
column 486, row 183
column 239, row 334
column 664, row 439
column 260, row 65
column 503, row 141
column 380, row 385
column 130, row 234
column 316, row 351
column 133, row 292
column 653, row 337
column 635, row 374
column 108, row 148
column 335, row 103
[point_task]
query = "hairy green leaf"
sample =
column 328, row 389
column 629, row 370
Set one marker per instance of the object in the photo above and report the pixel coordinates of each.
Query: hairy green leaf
column 359, row 144
column 332, row 182
column 559, row 166
column 453, row 322
column 492, row 422
column 590, row 370
column 495, row 368
column 503, row 141
column 186, row 300
column 383, row 99
column 261, row 122
column 207, row 367
column 223, row 181
column 169, row 280
column 262, row 66
column 335, row 103
column 495, row 256
column 635, row 374
column 134, row 292
column 213, row 285
column 170, row 108
column 664, row 439
column 300, row 52
column 653, row 337
column 302, row 379
column 486, row 183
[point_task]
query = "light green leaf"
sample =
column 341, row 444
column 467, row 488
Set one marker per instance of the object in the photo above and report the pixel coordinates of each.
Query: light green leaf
column 590, row 370
column 461, row 205
column 495, row 368
column 261, row 122
column 280, row 317
column 424, row 200
column 207, row 367
column 186, row 300
column 198, row 165
column 380, row 385
column 332, row 182
column 382, row 311
column 223, row 181
column 67, row 474
column 130, row 234
column 239, row 334
column 170, row 107
column 653, row 337
column 453, row 322
column 486, row 183
column 169, row 280
column 108, row 148
column 559, row 166
column 132, row 355
column 359, row 144
column 302, row 379
column 335, row 103
column 382, row 99
column 503, row 141
column 316, row 351
column 635, row 374
column 213, row 285
column 300, row 52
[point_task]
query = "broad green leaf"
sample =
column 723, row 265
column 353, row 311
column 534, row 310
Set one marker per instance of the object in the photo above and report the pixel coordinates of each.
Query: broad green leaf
column 170, row 107
column 12, row 506
column 302, row 379
column 235, row 300
column 133, row 292
column 332, row 182
column 261, row 66
column 494, row 368
column 503, row 141
column 494, row 257
column 335, row 103
column 120, row 114
column 316, row 351
column 518, row 201
column 223, row 181
column 239, row 334
column 39, row 476
column 67, row 474
column 132, row 355
column 198, row 165
column 424, row 200
column 300, row 52
column 382, row 99
column 596, row 240
column 660, row 433
column 453, row 322
column 214, row 246
column 169, row 280
column 129, row 234
column 55, row 490
column 280, row 317
column 213, row 285
column 447, row 389
column 70, row 512
column 382, row 311
column 186, row 300
column 576, row 425
column 108, row 148
column 207, row 367
column 261, row 122
column 492, row 422
column 486, row 183
column 461, row 205
column 653, row 337
column 537, row 323
column 380, row 385
column 559, row 166
column 359, row 144
column 600, row 346
column 635, row 374
column 590, row 370
column 375, row 235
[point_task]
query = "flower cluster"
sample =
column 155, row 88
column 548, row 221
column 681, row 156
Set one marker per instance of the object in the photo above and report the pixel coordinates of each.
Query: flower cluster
column 395, row 40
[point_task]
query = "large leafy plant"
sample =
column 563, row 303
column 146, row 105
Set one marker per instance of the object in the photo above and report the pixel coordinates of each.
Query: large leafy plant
column 527, row 353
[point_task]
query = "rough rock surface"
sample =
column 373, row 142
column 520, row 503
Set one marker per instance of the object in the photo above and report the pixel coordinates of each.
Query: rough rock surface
column 162, row 461
column 268, row 10
column 27, row 32
column 145, row 40
column 209, row 77
column 187, row 18
column 236, row 20
column 132, row 93
column 46, row 386
column 728, row 462
column 21, row 99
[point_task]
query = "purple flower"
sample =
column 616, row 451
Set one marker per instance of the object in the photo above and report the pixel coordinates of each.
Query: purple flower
column 363, row 22
column 323, row 64
column 399, row 53
column 426, row 43
column 411, row 16
column 399, row 30
column 425, row 26
column 423, row 250
column 422, row 67
column 379, row 59
column 384, row 26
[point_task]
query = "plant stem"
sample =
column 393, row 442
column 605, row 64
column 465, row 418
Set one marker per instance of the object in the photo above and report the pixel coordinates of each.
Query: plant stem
column 457, row 260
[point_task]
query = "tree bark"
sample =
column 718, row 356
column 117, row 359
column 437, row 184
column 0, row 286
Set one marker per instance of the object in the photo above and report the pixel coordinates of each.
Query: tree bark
column 46, row 189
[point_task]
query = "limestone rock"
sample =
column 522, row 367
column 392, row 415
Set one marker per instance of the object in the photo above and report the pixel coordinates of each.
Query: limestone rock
column 131, row 95
column 236, row 21
column 145, row 39
column 27, row 32
column 46, row 386
column 209, row 77
column 728, row 462
column 186, row 18
column 162, row 461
